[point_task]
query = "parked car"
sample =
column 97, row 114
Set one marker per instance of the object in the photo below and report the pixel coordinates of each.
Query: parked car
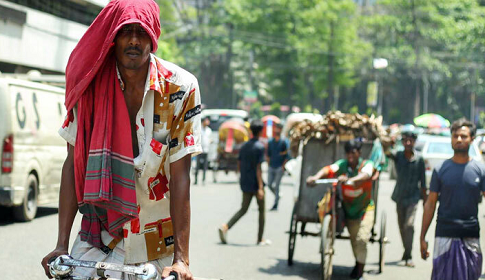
column 32, row 152
column 480, row 140
column 217, row 117
column 436, row 149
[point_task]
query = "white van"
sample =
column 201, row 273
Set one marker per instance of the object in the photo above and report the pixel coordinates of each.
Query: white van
column 32, row 152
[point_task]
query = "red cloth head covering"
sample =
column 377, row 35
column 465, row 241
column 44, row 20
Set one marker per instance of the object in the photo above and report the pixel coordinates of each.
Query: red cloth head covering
column 103, row 166
column 91, row 51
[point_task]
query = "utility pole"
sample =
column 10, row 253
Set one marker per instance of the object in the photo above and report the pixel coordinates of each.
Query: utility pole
column 251, row 63
column 473, row 96
column 425, row 94
column 379, row 63
column 331, row 58
column 230, row 73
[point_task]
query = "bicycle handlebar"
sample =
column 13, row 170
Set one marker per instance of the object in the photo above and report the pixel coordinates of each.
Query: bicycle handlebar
column 331, row 181
column 63, row 266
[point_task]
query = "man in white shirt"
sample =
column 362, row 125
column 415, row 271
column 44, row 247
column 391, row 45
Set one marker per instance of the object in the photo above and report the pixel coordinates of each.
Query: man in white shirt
column 202, row 159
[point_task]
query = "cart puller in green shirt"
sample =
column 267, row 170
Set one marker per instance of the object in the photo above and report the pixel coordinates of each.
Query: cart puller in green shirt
column 354, row 173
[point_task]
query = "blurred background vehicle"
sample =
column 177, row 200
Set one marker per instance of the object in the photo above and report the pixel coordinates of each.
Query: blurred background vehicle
column 32, row 151
column 217, row 117
column 232, row 135
column 480, row 140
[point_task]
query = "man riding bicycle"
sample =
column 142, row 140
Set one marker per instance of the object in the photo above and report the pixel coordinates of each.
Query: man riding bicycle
column 354, row 174
column 133, row 124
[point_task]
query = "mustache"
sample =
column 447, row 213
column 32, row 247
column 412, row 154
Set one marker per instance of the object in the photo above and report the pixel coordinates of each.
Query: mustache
column 132, row 48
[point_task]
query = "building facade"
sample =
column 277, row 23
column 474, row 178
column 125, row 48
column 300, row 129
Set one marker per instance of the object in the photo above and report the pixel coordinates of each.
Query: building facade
column 40, row 35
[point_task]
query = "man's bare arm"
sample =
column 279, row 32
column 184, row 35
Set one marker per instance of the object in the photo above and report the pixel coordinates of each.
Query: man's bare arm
column 180, row 213
column 424, row 195
column 67, row 209
column 429, row 208
column 359, row 179
column 259, row 177
column 422, row 179
column 322, row 173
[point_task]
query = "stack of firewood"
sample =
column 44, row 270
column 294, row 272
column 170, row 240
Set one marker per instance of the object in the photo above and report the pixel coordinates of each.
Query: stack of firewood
column 339, row 126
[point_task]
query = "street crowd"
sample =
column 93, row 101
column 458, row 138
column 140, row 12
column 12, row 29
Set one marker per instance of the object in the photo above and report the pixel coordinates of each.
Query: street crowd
column 457, row 184
column 136, row 209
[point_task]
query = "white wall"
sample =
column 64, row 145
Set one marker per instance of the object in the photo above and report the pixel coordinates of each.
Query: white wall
column 43, row 41
column 100, row 3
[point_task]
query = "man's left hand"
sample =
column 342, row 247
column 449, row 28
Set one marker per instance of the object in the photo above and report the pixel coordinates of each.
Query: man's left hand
column 182, row 270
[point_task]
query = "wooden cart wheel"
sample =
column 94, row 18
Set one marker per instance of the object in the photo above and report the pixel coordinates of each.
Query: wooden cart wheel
column 293, row 233
column 382, row 242
column 326, row 247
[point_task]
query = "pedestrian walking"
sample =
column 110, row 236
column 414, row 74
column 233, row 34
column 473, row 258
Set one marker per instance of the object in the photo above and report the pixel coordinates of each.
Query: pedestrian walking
column 251, row 156
column 202, row 158
column 410, row 188
column 457, row 184
column 277, row 156
column 354, row 174
column 133, row 124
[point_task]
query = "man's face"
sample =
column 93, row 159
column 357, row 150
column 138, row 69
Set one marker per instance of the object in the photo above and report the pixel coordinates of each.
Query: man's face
column 277, row 131
column 408, row 143
column 353, row 156
column 132, row 46
column 207, row 122
column 461, row 140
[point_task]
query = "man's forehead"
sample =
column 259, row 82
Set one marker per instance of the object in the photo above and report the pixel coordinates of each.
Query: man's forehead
column 132, row 25
column 465, row 129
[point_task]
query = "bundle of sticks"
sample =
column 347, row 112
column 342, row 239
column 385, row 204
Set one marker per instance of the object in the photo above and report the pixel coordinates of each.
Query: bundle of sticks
column 337, row 125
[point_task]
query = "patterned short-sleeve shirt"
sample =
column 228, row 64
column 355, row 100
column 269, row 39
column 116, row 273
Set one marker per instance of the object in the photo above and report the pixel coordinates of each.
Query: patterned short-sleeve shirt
column 168, row 123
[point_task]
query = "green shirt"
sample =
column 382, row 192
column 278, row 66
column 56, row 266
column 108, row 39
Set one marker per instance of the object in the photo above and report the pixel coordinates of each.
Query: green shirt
column 356, row 199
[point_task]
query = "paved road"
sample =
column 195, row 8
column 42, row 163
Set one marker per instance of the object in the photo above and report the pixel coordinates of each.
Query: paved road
column 24, row 244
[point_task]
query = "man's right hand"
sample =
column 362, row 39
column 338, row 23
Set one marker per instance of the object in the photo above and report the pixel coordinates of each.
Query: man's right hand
column 52, row 255
column 424, row 249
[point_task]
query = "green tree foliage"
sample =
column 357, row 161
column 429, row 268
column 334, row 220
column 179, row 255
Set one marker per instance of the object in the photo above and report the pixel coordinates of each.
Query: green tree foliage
column 291, row 51
column 433, row 55
column 317, row 54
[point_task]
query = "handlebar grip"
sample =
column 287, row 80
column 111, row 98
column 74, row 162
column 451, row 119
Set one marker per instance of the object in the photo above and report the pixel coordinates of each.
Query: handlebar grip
column 51, row 260
column 172, row 276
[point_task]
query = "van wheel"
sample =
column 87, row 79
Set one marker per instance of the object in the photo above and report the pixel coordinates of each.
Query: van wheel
column 27, row 211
